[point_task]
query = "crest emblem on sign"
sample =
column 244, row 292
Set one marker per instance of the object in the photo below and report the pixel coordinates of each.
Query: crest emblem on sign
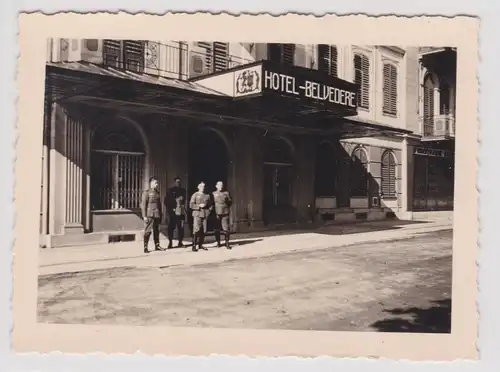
column 247, row 82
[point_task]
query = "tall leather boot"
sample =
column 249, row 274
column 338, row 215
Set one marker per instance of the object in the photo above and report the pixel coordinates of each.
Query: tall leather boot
column 201, row 241
column 146, row 241
column 217, row 238
column 195, row 241
column 228, row 246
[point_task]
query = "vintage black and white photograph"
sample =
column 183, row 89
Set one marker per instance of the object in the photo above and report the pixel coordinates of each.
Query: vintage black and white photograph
column 247, row 185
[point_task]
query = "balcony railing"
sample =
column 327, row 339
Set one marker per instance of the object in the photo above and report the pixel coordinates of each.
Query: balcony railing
column 177, row 60
column 440, row 126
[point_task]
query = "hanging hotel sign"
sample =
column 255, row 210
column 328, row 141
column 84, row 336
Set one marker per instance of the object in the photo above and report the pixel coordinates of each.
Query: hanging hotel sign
column 437, row 153
column 310, row 86
column 307, row 89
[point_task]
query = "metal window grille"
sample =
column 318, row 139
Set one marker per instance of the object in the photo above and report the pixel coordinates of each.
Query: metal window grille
column 117, row 180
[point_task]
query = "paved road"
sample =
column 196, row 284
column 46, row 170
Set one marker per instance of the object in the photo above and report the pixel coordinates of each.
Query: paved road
column 393, row 286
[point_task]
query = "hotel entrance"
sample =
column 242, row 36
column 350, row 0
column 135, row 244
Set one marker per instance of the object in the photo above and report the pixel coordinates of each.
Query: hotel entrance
column 208, row 163
column 278, row 182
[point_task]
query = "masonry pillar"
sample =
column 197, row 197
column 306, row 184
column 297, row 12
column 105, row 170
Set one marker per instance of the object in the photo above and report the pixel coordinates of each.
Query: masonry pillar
column 242, row 188
column 407, row 174
column 303, row 188
column 74, row 172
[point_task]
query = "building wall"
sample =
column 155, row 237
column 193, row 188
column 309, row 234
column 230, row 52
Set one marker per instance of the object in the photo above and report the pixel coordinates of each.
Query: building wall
column 167, row 143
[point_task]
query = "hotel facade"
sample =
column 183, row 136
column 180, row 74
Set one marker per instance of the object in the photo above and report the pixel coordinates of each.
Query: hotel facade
column 300, row 134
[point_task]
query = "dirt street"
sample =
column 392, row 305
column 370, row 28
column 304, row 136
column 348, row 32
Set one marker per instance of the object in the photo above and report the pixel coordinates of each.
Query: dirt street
column 392, row 286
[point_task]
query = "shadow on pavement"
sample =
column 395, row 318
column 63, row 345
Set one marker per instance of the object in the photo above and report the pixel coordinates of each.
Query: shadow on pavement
column 435, row 319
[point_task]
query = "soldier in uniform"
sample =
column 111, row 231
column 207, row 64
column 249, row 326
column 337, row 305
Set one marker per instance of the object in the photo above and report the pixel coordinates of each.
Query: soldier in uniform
column 200, row 205
column 175, row 202
column 152, row 214
column 222, row 203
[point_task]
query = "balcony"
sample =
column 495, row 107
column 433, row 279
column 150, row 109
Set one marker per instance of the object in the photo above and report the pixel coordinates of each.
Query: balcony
column 438, row 128
column 176, row 60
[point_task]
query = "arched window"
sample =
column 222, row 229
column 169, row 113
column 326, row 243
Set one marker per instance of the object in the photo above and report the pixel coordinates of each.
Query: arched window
column 325, row 171
column 359, row 173
column 428, row 106
column 390, row 89
column 388, row 174
column 362, row 78
column 328, row 59
column 117, row 167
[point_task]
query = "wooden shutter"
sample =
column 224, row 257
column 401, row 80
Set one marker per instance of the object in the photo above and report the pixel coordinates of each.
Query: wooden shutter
column 328, row 59
column 388, row 173
column 390, row 89
column 362, row 78
column 428, row 106
column 216, row 55
column 112, row 52
column 274, row 52
column 288, row 54
column 208, row 55
column 221, row 56
column 134, row 55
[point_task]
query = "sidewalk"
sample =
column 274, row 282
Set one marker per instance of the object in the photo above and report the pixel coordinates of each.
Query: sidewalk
column 129, row 254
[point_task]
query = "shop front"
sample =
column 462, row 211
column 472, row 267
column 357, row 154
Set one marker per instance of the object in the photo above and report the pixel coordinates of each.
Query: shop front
column 434, row 179
column 258, row 128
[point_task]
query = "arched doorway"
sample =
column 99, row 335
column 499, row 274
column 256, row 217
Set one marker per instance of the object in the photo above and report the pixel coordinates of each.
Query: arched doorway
column 278, row 181
column 208, row 163
column 117, row 167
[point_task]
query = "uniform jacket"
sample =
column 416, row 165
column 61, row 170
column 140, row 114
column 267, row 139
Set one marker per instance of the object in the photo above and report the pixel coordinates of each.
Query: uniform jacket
column 197, row 199
column 222, row 202
column 175, row 200
column 151, row 204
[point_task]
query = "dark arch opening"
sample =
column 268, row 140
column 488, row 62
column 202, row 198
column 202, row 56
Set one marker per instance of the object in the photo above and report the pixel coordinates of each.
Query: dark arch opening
column 208, row 163
column 325, row 171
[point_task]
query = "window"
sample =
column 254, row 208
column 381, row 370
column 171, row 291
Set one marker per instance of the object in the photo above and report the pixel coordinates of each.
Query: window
column 325, row 171
column 117, row 167
column 281, row 53
column 124, row 54
column 216, row 55
column 328, row 59
column 388, row 173
column 428, row 106
column 390, row 90
column 362, row 78
column 359, row 173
